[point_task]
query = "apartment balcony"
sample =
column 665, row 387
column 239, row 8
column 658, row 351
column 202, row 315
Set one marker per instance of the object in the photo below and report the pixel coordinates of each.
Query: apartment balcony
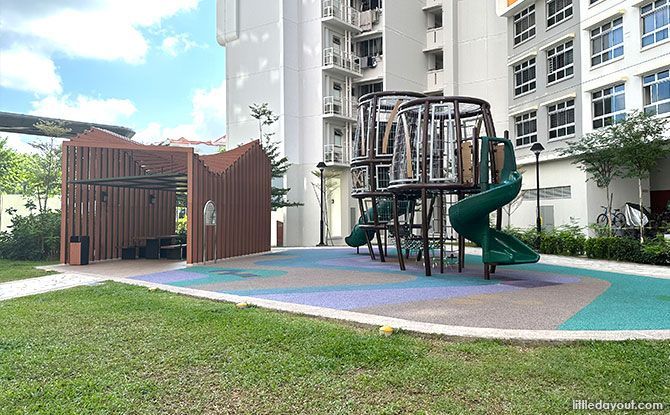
column 340, row 62
column 434, row 39
column 338, row 108
column 432, row 4
column 338, row 14
column 370, row 21
column 435, row 81
column 334, row 155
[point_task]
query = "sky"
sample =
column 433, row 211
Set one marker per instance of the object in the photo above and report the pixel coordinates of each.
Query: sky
column 151, row 65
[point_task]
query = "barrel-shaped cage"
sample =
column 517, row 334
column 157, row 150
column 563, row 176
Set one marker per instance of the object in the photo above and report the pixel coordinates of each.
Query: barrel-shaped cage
column 373, row 145
column 436, row 145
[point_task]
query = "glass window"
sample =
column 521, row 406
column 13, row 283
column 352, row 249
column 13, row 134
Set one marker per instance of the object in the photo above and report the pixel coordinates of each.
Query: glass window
column 560, row 62
column 655, row 21
column 657, row 92
column 609, row 105
column 524, row 25
column 561, row 119
column 558, row 11
column 607, row 41
column 526, row 128
column 524, row 77
column 368, row 88
column 370, row 47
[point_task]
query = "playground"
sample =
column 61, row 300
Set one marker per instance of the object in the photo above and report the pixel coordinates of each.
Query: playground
column 521, row 297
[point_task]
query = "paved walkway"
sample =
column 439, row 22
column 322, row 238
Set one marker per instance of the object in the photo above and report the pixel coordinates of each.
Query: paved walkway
column 39, row 285
column 598, row 265
column 544, row 301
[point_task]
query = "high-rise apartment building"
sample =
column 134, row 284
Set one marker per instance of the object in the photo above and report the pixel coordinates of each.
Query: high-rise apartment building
column 575, row 66
column 311, row 60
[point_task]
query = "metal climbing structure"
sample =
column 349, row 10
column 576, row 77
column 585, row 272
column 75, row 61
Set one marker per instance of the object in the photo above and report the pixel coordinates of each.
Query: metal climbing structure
column 446, row 174
column 371, row 164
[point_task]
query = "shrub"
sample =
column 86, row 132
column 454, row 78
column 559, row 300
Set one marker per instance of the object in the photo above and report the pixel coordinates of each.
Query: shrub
column 181, row 228
column 565, row 240
column 32, row 237
column 657, row 251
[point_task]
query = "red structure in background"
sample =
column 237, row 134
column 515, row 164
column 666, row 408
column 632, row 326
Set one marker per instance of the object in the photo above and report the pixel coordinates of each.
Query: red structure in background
column 118, row 193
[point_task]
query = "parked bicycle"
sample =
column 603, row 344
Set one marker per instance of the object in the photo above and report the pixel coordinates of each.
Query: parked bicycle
column 618, row 219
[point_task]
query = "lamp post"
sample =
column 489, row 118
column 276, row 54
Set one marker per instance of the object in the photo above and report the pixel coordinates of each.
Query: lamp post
column 537, row 148
column 322, row 166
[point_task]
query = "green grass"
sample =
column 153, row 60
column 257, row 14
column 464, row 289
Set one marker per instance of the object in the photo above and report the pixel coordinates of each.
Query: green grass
column 121, row 349
column 17, row 270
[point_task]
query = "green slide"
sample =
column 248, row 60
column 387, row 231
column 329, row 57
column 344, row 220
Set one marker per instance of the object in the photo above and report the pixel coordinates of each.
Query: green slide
column 470, row 217
column 357, row 237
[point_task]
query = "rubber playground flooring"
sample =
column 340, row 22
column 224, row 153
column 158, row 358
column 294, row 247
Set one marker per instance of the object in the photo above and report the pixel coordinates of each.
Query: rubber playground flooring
column 535, row 296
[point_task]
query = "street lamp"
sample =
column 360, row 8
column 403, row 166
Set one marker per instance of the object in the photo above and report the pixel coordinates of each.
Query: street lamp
column 537, row 148
column 322, row 166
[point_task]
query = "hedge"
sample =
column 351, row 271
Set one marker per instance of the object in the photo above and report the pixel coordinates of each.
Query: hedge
column 570, row 241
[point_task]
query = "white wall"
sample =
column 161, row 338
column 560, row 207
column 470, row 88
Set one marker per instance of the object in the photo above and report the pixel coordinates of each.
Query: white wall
column 554, row 174
column 18, row 202
column 404, row 40
column 660, row 179
column 481, row 65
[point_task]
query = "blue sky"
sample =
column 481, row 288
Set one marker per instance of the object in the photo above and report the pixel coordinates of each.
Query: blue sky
column 151, row 65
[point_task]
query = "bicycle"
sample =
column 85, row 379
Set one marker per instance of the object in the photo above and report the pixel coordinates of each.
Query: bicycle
column 618, row 219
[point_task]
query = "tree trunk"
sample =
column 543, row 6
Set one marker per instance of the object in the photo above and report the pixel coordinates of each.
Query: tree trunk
column 639, row 195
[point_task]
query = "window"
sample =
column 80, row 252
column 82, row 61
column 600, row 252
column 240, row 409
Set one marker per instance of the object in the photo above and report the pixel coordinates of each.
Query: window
column 524, row 25
column 526, row 128
column 657, row 92
column 557, row 11
column 524, row 77
column 368, row 88
column 560, row 62
column 436, row 62
column 371, row 4
column 607, row 42
column 549, row 193
column 370, row 47
column 561, row 119
column 609, row 105
column 655, row 21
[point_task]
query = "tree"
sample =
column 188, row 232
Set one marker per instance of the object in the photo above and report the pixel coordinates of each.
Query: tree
column 280, row 165
column 597, row 154
column 641, row 143
column 12, row 172
column 332, row 183
column 44, row 168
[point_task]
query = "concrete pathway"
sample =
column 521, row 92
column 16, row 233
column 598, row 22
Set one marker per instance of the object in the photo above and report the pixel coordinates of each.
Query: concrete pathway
column 38, row 285
column 645, row 270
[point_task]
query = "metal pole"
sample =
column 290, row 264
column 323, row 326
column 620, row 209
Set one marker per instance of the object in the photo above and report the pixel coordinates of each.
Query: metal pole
column 538, row 219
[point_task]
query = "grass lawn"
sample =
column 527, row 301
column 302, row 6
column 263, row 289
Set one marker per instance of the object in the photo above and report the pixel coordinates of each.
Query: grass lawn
column 121, row 349
column 17, row 270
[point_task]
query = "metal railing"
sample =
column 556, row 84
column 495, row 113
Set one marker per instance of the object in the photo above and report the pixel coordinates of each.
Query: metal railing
column 341, row 59
column 340, row 11
column 337, row 106
column 334, row 154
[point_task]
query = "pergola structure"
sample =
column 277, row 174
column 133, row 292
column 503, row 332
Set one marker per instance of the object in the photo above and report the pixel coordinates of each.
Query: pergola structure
column 118, row 192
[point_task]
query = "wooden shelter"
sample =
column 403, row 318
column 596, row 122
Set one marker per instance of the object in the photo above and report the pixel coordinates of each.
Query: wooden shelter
column 119, row 193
